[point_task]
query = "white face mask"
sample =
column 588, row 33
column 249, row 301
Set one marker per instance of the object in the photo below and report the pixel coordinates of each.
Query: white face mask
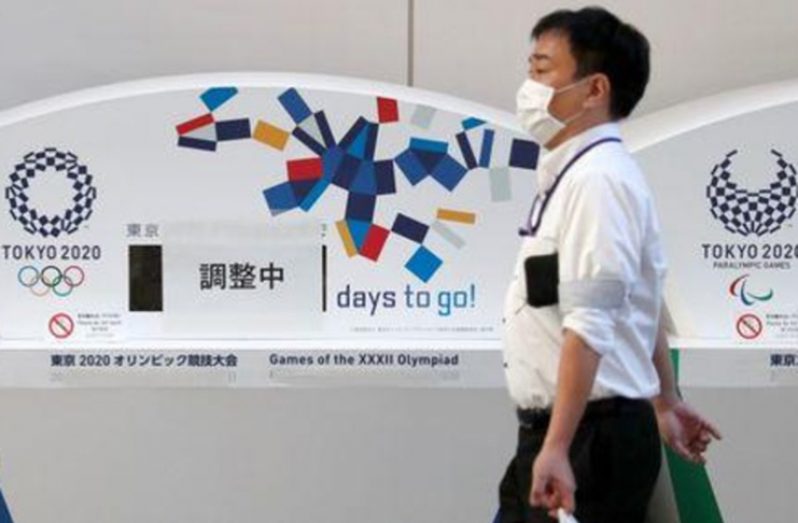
column 532, row 108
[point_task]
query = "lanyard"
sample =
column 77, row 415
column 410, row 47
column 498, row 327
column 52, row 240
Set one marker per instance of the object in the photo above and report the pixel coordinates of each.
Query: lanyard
column 539, row 205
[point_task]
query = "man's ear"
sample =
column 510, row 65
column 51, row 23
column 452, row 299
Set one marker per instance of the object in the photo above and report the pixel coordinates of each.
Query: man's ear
column 600, row 91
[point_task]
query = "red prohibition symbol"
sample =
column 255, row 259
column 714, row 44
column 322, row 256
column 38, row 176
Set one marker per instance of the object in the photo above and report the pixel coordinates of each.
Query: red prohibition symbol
column 61, row 325
column 749, row 326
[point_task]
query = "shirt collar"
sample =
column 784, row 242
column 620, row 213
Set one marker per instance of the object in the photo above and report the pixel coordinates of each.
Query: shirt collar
column 553, row 161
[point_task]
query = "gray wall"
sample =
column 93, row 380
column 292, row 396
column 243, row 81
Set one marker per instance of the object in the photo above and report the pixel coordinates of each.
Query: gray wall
column 236, row 456
column 471, row 48
column 477, row 48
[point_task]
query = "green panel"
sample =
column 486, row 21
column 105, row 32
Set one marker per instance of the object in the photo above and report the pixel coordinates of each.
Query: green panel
column 695, row 499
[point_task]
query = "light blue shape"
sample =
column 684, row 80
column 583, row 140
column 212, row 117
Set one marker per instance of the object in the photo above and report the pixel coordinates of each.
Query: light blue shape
column 429, row 145
column 471, row 123
column 359, row 230
column 445, row 232
column 358, row 147
column 424, row 264
column 423, row 116
column 314, row 194
column 500, row 190
column 215, row 97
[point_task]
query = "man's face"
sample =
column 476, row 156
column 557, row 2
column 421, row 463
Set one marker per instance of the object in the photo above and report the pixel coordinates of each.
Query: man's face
column 551, row 63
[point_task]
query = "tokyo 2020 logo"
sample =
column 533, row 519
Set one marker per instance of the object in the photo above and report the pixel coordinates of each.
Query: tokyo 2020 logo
column 753, row 212
column 51, row 162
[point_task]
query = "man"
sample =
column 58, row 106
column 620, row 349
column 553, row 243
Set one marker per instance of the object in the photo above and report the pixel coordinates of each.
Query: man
column 586, row 356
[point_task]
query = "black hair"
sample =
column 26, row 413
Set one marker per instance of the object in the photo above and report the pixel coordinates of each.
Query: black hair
column 601, row 43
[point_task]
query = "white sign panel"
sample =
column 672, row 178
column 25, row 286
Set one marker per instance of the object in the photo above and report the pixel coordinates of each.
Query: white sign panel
column 724, row 175
column 259, row 207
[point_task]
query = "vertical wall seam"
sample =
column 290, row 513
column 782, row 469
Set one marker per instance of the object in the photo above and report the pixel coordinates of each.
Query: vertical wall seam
column 411, row 22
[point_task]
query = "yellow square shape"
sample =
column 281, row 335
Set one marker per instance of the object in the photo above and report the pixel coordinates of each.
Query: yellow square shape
column 271, row 135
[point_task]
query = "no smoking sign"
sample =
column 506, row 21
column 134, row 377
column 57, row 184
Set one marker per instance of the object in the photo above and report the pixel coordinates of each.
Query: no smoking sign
column 61, row 325
column 749, row 326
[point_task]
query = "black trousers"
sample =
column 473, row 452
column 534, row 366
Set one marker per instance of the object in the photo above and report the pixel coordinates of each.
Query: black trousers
column 615, row 455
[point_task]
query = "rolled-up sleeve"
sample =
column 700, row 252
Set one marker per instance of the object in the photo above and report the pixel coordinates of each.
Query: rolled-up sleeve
column 599, row 257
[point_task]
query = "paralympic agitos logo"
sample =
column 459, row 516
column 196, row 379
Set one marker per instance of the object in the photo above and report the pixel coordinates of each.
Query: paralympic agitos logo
column 738, row 289
column 753, row 212
column 50, row 162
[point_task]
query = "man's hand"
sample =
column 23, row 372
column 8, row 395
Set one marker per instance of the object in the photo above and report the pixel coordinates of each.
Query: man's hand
column 685, row 430
column 553, row 483
column 682, row 428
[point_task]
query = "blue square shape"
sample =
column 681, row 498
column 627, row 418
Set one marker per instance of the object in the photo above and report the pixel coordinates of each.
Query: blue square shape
column 411, row 166
column 280, row 198
column 360, row 207
column 233, row 130
column 365, row 181
column 295, row 105
column 386, row 180
column 487, row 148
column 449, row 173
column 424, row 264
column 524, row 154
column 411, row 229
column 346, row 172
column 331, row 159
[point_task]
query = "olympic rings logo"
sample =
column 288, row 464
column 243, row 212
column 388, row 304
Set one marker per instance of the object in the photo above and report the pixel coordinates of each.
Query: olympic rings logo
column 51, row 279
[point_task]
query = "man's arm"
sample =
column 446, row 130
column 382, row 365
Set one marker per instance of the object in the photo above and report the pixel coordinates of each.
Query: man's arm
column 669, row 394
column 553, row 481
column 599, row 248
column 682, row 428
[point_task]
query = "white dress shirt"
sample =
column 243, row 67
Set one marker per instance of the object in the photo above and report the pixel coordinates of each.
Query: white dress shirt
column 601, row 224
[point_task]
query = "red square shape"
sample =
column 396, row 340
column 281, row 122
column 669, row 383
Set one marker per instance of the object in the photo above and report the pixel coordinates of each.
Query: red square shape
column 194, row 124
column 388, row 110
column 306, row 169
column 375, row 241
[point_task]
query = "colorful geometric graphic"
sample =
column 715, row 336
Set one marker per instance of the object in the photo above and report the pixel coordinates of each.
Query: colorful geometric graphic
column 351, row 165
column 204, row 132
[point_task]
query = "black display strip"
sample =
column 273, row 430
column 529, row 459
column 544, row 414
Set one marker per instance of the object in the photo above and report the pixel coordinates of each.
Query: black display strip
column 145, row 278
column 324, row 278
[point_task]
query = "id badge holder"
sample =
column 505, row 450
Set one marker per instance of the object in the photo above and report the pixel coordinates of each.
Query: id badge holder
column 542, row 275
